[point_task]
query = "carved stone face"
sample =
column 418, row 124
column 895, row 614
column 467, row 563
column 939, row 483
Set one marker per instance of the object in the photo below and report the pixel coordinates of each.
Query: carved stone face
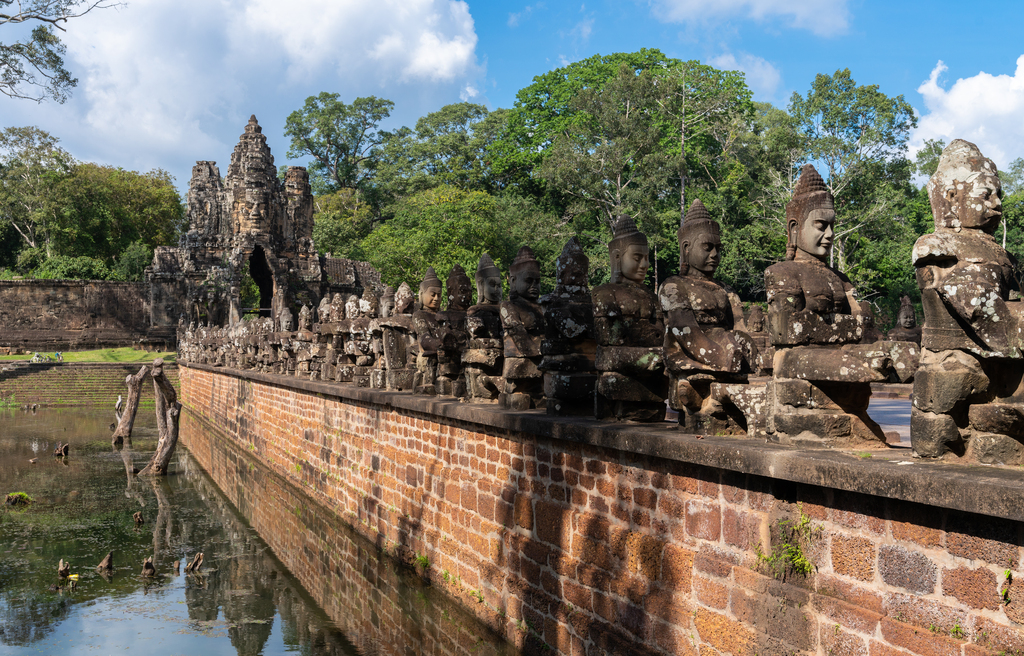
column 526, row 282
column 430, row 299
column 907, row 318
column 978, row 205
column 815, row 235
column 387, row 307
column 704, row 253
column 489, row 291
column 634, row 262
column 460, row 295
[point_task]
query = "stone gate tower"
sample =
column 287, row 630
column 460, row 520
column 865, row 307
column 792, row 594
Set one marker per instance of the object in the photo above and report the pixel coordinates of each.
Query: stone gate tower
column 250, row 218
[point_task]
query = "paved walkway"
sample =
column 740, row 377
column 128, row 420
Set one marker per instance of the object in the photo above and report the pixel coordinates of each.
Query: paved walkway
column 892, row 415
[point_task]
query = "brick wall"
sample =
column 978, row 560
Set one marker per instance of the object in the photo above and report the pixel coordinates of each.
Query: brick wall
column 601, row 539
column 380, row 609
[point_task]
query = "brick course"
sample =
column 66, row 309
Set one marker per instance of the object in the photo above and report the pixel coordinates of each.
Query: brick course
column 592, row 549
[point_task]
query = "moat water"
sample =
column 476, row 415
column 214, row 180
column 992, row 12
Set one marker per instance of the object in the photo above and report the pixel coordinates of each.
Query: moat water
column 349, row 598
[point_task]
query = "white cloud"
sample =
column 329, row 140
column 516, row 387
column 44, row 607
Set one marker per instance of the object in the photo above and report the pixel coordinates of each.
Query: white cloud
column 169, row 82
column 822, row 17
column 984, row 109
column 762, row 77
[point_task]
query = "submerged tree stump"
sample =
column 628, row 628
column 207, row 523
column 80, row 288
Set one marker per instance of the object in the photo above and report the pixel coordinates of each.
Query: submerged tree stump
column 167, row 412
column 127, row 417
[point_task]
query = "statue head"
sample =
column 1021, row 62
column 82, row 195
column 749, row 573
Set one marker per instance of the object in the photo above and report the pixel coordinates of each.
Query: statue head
column 628, row 252
column 810, row 217
column 460, row 289
column 571, row 269
column 868, row 313
column 700, row 242
column 369, row 303
column 524, row 275
column 906, row 317
column 352, row 307
column 404, row 299
column 430, row 291
column 387, row 302
column 286, row 321
column 756, row 320
column 964, row 190
column 488, row 282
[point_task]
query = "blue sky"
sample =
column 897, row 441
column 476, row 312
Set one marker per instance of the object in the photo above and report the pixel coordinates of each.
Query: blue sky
column 163, row 83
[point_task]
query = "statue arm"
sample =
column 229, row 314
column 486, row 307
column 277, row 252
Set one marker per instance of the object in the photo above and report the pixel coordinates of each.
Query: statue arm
column 682, row 329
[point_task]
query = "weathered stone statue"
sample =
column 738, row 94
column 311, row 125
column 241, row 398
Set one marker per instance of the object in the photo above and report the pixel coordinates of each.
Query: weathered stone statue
column 822, row 376
column 569, row 347
column 967, row 391
column 323, row 311
column 906, row 329
column 871, row 332
column 482, row 360
column 452, row 320
column 630, row 333
column 706, row 346
column 765, row 351
column 378, row 376
column 305, row 319
column 359, row 343
column 399, row 338
column 428, row 333
column 523, row 324
column 285, row 321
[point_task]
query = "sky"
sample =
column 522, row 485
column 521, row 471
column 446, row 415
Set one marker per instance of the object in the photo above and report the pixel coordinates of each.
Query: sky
column 164, row 83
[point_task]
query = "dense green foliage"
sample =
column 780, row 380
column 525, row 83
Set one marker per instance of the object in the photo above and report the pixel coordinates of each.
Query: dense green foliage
column 65, row 219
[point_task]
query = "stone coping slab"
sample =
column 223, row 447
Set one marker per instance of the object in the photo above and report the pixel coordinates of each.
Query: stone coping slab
column 893, row 473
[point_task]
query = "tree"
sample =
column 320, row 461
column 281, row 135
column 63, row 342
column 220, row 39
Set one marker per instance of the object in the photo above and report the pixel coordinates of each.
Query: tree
column 927, row 159
column 342, row 139
column 100, row 211
column 543, row 111
column 858, row 136
column 341, row 221
column 439, row 227
column 31, row 165
column 38, row 61
column 1012, row 178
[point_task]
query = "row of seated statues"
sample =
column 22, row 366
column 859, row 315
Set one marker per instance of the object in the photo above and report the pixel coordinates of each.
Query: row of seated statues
column 622, row 352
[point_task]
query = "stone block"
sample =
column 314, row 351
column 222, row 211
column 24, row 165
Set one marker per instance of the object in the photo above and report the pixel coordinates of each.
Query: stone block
column 802, row 394
column 944, row 379
column 1003, row 418
column 995, row 449
column 854, row 363
column 907, row 569
column 933, row 435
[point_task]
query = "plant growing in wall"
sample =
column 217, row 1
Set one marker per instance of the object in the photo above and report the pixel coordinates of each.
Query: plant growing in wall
column 789, row 538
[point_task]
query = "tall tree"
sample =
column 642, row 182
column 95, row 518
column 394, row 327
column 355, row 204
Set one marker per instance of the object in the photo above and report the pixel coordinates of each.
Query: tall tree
column 33, row 68
column 31, row 165
column 342, row 139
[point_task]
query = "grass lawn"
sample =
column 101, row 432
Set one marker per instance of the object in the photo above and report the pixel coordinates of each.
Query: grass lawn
column 126, row 354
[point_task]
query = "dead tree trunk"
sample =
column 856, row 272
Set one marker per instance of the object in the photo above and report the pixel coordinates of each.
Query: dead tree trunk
column 127, row 420
column 167, row 411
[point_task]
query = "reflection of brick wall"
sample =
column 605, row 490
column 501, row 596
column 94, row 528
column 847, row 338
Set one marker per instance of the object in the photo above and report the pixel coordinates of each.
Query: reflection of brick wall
column 51, row 314
column 639, row 540
column 380, row 609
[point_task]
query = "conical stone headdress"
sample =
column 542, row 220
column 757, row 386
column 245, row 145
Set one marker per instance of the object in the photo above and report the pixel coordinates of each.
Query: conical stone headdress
column 486, row 268
column 430, row 279
column 524, row 259
column 698, row 221
column 810, row 194
column 624, row 233
column 571, row 270
column 459, row 289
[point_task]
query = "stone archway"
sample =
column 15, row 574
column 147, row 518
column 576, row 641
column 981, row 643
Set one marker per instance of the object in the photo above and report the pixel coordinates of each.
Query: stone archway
column 260, row 272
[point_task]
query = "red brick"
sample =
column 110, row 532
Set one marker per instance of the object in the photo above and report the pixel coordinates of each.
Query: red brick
column 710, row 593
column 741, row 529
column 853, row 556
column 834, row 640
column 918, row 640
column 645, row 497
column 974, row 587
column 677, row 567
column 553, row 523
column 724, row 634
column 850, row 616
column 703, row 520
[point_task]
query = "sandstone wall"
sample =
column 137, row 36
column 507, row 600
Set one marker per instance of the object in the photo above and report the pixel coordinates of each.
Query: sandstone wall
column 601, row 539
column 49, row 315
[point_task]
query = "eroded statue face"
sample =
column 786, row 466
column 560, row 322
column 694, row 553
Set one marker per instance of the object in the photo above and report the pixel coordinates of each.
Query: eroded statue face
column 490, row 289
column 704, row 253
column 815, row 236
column 980, row 206
column 526, row 283
column 907, row 319
column 430, row 299
column 634, row 262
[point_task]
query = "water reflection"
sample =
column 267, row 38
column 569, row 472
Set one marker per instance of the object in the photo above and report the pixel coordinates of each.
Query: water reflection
column 243, row 601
